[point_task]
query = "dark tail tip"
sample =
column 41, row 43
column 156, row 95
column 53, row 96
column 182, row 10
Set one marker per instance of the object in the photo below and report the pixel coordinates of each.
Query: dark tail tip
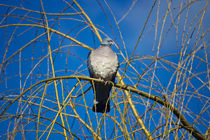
column 101, row 107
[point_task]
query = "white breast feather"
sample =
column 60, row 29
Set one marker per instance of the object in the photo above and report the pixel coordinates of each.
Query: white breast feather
column 104, row 66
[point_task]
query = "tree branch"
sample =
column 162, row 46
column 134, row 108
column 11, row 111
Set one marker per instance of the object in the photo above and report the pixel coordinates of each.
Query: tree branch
column 155, row 98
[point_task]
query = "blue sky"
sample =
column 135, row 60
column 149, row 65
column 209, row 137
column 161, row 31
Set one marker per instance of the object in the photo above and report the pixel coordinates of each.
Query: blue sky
column 70, row 59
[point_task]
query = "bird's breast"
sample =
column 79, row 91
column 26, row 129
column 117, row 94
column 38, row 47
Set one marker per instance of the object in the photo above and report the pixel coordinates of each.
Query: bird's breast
column 104, row 66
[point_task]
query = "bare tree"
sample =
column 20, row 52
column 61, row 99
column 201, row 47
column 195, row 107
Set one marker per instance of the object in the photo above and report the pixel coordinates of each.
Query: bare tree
column 161, row 93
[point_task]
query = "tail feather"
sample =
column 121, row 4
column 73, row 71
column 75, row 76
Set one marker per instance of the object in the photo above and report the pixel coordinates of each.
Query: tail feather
column 102, row 92
column 101, row 107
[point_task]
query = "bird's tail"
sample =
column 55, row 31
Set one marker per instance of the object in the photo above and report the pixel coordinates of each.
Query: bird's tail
column 102, row 101
column 101, row 107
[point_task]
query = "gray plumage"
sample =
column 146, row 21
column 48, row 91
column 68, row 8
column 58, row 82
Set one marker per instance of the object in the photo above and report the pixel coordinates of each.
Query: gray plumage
column 102, row 64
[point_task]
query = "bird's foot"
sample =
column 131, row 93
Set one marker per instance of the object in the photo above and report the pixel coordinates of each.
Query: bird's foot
column 105, row 82
column 101, row 79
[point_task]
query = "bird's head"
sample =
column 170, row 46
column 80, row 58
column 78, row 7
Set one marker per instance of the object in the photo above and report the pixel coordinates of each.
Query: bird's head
column 107, row 42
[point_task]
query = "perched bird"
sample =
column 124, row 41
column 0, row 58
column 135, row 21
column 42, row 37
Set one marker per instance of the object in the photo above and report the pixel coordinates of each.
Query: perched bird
column 103, row 64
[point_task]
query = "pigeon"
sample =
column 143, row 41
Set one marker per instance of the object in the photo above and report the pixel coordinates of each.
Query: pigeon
column 103, row 64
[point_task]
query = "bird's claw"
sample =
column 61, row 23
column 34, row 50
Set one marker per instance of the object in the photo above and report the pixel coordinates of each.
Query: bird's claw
column 105, row 82
column 101, row 79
